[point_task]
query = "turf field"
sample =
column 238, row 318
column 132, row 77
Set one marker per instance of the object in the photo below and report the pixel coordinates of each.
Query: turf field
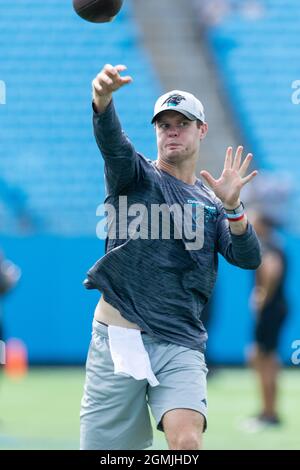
column 41, row 411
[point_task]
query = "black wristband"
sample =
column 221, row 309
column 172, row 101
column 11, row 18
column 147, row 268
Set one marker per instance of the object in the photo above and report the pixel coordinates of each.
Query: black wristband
column 237, row 210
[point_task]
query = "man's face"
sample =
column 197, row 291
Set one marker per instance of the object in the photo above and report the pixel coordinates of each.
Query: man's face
column 178, row 138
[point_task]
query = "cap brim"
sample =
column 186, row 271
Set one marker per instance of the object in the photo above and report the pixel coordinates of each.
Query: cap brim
column 191, row 117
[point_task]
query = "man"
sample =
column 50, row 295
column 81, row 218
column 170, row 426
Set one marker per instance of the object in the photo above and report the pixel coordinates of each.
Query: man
column 10, row 275
column 268, row 300
column 148, row 339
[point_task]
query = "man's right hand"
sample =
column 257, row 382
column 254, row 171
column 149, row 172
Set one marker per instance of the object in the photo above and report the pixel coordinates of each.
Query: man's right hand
column 108, row 81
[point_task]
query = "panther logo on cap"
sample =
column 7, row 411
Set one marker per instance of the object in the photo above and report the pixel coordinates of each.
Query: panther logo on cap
column 174, row 100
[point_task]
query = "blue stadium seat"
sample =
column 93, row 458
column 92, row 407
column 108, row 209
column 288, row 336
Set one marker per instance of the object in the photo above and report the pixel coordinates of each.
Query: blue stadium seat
column 258, row 62
column 51, row 172
column 47, row 146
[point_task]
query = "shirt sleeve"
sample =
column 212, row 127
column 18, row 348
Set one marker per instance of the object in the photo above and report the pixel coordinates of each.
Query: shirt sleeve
column 243, row 250
column 121, row 161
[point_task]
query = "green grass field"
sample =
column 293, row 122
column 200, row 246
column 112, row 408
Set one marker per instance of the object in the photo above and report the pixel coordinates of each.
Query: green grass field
column 41, row 411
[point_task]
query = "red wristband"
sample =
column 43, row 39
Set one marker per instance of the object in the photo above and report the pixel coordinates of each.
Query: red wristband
column 238, row 219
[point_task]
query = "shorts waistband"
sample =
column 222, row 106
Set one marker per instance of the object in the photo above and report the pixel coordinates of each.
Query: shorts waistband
column 102, row 329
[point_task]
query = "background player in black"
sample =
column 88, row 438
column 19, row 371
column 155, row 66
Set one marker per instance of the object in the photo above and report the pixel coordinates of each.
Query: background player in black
column 269, row 303
column 9, row 277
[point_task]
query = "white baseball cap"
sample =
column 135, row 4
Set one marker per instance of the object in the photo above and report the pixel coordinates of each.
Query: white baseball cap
column 182, row 102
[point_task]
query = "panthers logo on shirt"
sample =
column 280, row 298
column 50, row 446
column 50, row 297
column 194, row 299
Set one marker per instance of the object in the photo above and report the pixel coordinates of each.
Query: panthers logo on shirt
column 174, row 100
column 210, row 212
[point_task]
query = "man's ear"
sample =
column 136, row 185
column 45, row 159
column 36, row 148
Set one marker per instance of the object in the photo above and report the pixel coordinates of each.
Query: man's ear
column 203, row 130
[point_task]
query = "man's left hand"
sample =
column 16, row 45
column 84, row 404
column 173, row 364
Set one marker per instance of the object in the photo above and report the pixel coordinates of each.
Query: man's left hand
column 229, row 185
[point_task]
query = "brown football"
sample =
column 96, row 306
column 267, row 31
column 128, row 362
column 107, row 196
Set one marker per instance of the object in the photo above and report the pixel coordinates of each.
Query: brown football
column 97, row 11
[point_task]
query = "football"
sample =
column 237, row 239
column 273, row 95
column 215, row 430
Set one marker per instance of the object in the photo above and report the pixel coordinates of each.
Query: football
column 97, row 11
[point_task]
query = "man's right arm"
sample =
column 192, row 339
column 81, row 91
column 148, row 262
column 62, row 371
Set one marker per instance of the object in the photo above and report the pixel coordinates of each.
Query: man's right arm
column 121, row 159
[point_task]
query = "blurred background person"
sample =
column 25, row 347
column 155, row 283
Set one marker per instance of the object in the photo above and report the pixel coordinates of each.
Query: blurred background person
column 268, row 301
column 9, row 277
column 268, row 298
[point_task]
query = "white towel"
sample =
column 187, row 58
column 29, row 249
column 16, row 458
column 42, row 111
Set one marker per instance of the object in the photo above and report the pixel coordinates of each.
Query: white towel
column 129, row 355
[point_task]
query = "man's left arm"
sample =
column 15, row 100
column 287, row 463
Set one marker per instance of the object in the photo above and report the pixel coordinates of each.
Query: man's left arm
column 237, row 240
column 268, row 278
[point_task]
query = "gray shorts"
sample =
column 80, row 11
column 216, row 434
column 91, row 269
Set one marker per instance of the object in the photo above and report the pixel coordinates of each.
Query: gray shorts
column 114, row 408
